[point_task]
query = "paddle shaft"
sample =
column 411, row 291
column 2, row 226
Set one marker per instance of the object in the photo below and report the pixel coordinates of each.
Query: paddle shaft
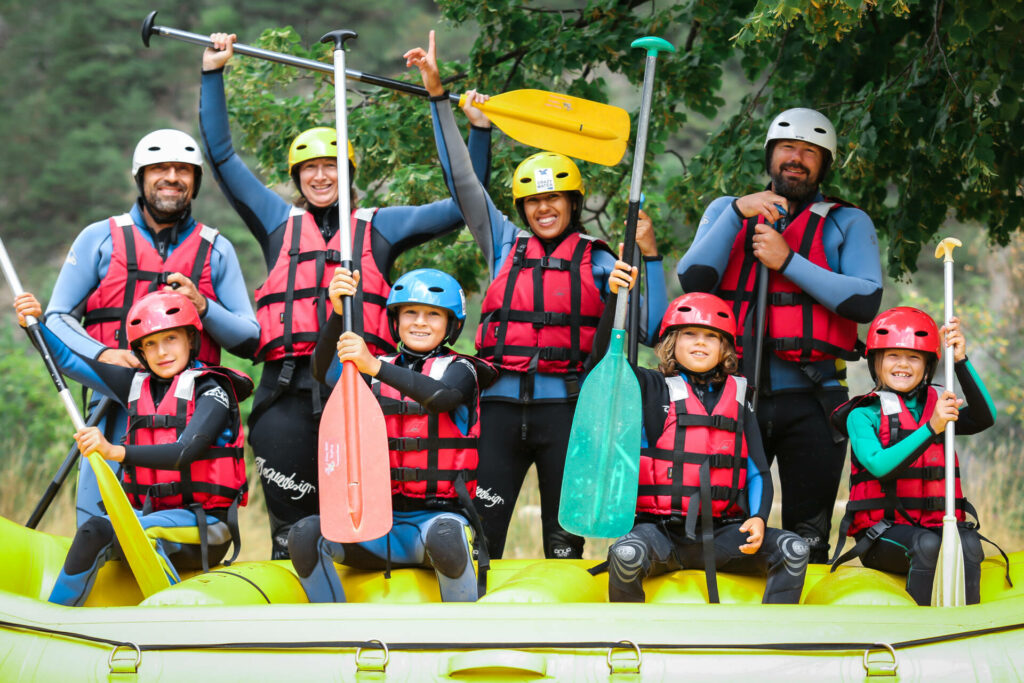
column 947, row 358
column 759, row 315
column 149, row 29
column 637, row 177
column 62, row 473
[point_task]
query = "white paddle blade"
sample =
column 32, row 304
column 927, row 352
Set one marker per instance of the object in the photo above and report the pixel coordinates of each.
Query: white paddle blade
column 948, row 586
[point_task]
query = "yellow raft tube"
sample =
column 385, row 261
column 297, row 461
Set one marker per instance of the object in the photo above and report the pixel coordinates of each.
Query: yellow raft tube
column 540, row 620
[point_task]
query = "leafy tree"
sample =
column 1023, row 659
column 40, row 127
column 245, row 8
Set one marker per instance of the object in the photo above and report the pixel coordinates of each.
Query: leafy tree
column 926, row 98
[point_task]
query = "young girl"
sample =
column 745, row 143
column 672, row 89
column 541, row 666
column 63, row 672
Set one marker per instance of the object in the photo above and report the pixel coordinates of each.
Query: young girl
column 897, row 468
column 300, row 247
column 538, row 318
column 430, row 398
column 183, row 461
column 705, row 490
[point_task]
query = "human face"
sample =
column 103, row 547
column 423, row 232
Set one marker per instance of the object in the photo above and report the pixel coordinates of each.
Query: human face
column 168, row 187
column 422, row 328
column 698, row 349
column 795, row 168
column 318, row 181
column 548, row 213
column 167, row 353
column 901, row 369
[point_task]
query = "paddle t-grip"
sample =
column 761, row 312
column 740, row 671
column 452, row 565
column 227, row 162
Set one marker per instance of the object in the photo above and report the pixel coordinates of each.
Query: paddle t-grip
column 338, row 37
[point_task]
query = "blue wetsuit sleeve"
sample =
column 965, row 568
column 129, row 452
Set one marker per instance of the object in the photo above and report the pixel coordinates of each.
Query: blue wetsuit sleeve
column 760, row 490
column 86, row 262
column 110, row 380
column 404, row 227
column 262, row 210
column 230, row 319
column 702, row 266
column 854, row 288
column 493, row 232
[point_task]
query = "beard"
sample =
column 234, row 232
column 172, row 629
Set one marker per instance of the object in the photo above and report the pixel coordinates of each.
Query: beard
column 796, row 191
column 165, row 209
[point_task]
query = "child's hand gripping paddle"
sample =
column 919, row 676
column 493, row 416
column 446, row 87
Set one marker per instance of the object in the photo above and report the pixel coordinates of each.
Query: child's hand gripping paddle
column 355, row 473
column 602, row 464
column 146, row 565
column 948, row 585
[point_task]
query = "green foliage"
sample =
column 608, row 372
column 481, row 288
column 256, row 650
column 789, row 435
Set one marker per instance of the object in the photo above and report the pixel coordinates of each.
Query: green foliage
column 926, row 98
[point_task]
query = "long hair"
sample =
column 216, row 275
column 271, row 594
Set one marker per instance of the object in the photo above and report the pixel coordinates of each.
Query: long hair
column 669, row 366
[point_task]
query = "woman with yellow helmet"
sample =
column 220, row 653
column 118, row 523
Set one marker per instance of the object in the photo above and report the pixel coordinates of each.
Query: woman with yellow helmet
column 300, row 246
column 538, row 318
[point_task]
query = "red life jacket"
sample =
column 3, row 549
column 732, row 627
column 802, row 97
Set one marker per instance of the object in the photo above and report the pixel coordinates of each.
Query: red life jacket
column 541, row 312
column 137, row 269
column 428, row 451
column 670, row 471
column 215, row 481
column 918, row 495
column 292, row 303
column 798, row 328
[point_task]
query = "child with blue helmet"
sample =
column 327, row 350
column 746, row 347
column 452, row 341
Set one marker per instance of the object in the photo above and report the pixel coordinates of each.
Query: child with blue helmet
column 430, row 399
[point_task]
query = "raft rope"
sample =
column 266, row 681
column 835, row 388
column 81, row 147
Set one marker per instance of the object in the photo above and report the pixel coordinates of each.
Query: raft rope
column 584, row 645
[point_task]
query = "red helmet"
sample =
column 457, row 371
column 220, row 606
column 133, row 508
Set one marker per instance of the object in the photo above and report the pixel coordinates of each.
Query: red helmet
column 904, row 327
column 159, row 311
column 702, row 310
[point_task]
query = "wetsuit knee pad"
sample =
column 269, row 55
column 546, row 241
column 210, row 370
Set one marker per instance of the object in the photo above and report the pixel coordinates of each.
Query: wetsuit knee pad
column 628, row 560
column 96, row 534
column 562, row 545
column 304, row 545
column 446, row 547
column 924, row 550
column 795, row 551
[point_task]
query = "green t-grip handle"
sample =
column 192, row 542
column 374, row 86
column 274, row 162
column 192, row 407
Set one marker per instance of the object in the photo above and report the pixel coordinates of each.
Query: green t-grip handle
column 653, row 45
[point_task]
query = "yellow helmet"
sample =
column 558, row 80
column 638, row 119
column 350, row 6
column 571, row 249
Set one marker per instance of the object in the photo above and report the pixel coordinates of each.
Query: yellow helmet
column 316, row 143
column 546, row 172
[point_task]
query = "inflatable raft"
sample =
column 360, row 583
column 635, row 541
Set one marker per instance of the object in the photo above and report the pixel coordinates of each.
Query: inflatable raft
column 540, row 620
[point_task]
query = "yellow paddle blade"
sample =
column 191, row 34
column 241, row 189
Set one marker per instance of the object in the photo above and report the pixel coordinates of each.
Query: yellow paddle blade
column 573, row 126
column 145, row 564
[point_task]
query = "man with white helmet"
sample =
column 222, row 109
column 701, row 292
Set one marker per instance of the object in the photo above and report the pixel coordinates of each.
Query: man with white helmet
column 115, row 261
column 820, row 255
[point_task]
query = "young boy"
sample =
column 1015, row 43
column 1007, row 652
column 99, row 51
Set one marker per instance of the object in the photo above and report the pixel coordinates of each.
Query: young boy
column 897, row 468
column 705, row 491
column 430, row 398
column 183, row 461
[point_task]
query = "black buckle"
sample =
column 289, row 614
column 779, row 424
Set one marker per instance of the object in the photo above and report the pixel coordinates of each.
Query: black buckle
column 877, row 530
column 404, row 443
column 284, row 379
column 811, row 372
column 404, row 474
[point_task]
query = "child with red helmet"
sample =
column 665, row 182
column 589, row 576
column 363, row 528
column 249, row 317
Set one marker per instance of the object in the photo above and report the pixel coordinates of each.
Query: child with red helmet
column 897, row 466
column 182, row 458
column 705, row 491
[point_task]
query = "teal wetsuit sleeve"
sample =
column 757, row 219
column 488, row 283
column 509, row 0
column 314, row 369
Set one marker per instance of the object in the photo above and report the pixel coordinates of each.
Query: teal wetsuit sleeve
column 862, row 426
column 978, row 412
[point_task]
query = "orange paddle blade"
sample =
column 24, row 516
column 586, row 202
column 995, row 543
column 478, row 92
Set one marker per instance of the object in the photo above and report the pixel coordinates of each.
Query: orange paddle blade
column 143, row 560
column 355, row 471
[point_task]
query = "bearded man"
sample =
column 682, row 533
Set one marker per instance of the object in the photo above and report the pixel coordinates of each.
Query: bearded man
column 824, row 276
column 157, row 244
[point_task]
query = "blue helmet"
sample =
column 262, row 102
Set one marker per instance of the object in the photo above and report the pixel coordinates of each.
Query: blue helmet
column 432, row 288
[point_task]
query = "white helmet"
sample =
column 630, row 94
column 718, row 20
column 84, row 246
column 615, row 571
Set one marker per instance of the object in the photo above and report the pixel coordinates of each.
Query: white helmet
column 803, row 124
column 168, row 145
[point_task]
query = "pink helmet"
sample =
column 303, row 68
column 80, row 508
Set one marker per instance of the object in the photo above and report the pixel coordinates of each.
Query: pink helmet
column 702, row 310
column 904, row 327
column 159, row 311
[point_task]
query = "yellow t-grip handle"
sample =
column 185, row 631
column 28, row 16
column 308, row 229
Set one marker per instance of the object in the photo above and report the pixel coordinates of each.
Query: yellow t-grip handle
column 945, row 249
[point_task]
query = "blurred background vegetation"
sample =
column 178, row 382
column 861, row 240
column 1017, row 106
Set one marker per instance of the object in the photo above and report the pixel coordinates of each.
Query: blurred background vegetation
column 926, row 97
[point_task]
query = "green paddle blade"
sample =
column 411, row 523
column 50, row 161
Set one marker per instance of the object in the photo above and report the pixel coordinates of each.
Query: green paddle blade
column 602, row 465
